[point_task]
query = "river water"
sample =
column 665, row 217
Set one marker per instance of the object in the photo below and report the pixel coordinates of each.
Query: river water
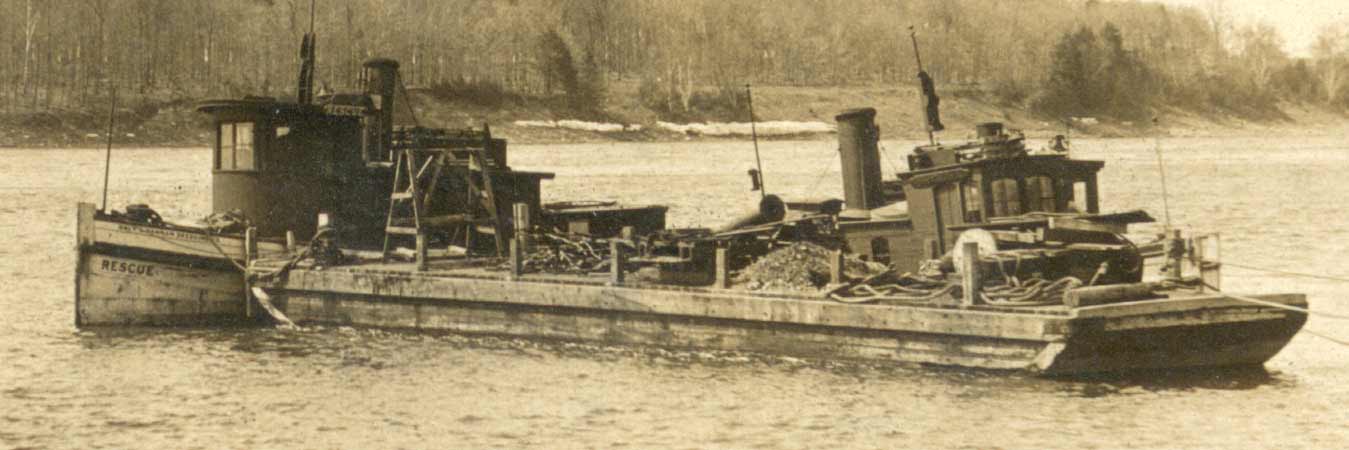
column 1279, row 203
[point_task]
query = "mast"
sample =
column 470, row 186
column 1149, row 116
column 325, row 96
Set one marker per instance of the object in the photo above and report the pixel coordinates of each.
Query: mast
column 107, row 155
column 754, row 133
column 304, row 94
column 927, row 93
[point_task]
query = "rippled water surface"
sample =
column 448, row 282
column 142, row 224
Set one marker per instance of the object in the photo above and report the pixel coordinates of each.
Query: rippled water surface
column 1280, row 204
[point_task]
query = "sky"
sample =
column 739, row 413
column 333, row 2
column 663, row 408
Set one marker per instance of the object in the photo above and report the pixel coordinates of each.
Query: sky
column 1297, row 20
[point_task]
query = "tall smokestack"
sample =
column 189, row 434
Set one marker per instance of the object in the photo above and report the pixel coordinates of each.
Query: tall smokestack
column 381, row 81
column 857, row 139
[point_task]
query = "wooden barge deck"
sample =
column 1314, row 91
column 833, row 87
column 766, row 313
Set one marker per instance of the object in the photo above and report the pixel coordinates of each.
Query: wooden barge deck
column 1186, row 329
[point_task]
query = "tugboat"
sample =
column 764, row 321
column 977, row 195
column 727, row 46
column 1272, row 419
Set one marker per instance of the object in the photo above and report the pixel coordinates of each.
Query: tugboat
column 994, row 256
column 321, row 170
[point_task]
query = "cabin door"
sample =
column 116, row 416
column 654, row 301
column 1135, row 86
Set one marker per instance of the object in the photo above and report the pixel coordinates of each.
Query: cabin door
column 949, row 212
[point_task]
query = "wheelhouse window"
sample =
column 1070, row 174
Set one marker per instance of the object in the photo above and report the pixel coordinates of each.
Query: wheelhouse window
column 1078, row 201
column 1041, row 194
column 974, row 204
column 236, row 147
column 1006, row 197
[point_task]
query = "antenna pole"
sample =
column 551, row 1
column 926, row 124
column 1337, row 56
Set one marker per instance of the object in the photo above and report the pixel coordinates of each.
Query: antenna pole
column 107, row 155
column 913, row 37
column 1161, row 168
column 754, row 133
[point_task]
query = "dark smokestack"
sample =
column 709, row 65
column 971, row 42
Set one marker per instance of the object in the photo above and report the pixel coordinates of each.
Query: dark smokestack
column 857, row 138
column 381, row 81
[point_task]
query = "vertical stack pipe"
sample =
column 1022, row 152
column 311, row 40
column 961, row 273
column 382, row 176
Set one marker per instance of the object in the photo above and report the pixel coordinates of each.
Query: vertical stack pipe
column 858, row 136
column 381, row 83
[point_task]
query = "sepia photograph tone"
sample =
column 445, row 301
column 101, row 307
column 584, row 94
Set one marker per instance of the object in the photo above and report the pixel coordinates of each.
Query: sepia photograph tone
column 674, row 224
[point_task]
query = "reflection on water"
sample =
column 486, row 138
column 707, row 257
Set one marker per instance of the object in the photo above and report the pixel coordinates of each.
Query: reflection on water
column 1277, row 203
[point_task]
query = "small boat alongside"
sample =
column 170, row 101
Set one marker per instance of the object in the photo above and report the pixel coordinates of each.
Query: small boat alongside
column 137, row 270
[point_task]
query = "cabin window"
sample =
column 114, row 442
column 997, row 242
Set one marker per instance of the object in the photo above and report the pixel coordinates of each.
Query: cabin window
column 236, row 146
column 1006, row 197
column 1077, row 197
column 880, row 250
column 1040, row 194
column 974, row 204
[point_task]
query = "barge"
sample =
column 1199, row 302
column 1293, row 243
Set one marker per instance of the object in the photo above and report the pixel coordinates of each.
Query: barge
column 991, row 255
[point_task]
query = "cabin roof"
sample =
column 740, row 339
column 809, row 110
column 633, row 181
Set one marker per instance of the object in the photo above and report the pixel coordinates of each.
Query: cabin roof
column 255, row 105
column 1056, row 164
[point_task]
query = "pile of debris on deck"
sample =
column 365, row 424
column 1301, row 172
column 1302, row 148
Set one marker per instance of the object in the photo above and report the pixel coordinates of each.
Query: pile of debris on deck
column 800, row 266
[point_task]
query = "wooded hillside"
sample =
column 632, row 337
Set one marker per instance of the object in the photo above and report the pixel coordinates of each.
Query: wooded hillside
column 1061, row 57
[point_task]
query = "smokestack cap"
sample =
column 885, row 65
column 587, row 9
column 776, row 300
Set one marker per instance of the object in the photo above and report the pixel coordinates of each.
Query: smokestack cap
column 381, row 62
column 856, row 113
column 989, row 129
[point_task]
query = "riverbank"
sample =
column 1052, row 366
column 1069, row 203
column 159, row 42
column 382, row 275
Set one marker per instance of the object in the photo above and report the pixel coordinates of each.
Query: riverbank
column 801, row 113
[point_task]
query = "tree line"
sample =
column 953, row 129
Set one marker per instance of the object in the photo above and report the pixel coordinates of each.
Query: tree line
column 1064, row 57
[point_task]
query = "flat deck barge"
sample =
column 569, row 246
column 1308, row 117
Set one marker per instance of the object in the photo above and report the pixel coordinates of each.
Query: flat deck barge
column 1184, row 329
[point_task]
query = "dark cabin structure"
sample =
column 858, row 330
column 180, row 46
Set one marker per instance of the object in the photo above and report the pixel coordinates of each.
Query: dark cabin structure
column 949, row 189
column 281, row 164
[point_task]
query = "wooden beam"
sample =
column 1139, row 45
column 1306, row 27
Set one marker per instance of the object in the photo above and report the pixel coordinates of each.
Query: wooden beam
column 723, row 269
column 1069, row 223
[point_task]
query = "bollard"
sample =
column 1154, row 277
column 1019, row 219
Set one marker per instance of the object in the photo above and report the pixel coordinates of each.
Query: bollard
column 971, row 280
column 616, row 262
column 723, row 268
column 290, row 241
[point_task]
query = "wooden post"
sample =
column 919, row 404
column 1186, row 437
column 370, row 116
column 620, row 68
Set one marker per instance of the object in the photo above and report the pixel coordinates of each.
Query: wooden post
column 616, row 262
column 290, row 241
column 971, row 280
column 421, row 251
column 933, row 250
column 84, row 224
column 250, row 249
column 523, row 222
column 1175, row 254
column 723, row 268
column 517, row 261
column 836, row 266
column 1210, row 262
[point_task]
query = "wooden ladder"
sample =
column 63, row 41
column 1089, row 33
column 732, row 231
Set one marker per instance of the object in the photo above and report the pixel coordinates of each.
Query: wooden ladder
column 405, row 196
column 408, row 205
column 485, row 194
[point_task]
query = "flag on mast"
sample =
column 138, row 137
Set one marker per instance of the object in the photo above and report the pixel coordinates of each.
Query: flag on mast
column 930, row 102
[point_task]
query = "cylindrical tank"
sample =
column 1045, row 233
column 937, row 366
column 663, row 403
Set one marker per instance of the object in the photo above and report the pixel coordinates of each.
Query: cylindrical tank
column 381, row 84
column 771, row 209
column 857, row 139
